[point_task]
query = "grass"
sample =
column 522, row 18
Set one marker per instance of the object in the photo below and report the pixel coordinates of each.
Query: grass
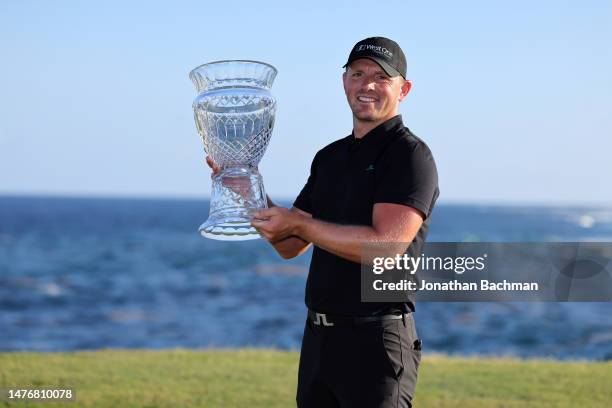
column 267, row 378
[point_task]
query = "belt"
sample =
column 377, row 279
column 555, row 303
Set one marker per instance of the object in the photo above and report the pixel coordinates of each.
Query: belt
column 325, row 319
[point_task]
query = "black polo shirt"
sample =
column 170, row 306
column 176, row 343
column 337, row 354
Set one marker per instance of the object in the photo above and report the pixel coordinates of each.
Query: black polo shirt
column 349, row 176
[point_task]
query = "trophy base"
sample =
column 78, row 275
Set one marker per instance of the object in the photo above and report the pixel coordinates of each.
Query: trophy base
column 237, row 192
column 238, row 230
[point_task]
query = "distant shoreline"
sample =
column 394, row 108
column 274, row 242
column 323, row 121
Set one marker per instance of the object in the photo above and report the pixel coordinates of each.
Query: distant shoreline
column 289, row 200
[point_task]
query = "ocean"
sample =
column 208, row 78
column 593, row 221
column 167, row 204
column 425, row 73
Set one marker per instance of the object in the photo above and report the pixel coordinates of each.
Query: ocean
column 91, row 273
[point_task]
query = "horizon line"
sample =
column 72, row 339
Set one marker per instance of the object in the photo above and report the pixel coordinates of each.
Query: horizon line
column 158, row 197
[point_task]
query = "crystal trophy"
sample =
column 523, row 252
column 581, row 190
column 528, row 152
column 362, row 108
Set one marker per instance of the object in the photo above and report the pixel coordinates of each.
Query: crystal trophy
column 234, row 114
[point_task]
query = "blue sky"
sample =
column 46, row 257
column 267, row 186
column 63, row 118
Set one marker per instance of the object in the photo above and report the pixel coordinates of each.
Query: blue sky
column 512, row 98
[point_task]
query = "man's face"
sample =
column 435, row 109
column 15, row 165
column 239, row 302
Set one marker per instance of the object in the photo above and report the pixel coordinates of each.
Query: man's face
column 372, row 95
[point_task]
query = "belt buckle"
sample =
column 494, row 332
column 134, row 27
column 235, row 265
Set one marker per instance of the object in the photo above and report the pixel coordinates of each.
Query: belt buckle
column 321, row 319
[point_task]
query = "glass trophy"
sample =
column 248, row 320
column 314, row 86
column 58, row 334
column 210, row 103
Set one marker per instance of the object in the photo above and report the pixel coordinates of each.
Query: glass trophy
column 234, row 115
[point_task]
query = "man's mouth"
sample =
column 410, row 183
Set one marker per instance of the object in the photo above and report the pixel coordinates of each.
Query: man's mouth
column 366, row 99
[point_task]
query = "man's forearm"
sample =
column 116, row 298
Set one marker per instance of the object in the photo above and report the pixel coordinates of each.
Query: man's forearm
column 289, row 247
column 395, row 225
column 394, row 229
column 345, row 241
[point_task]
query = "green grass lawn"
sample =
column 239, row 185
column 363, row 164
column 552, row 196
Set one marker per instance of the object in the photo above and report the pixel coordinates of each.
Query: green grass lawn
column 267, row 378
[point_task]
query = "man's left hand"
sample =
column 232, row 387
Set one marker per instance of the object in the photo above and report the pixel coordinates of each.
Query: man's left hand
column 276, row 223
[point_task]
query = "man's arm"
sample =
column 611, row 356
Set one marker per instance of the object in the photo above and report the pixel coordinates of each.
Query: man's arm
column 391, row 223
column 291, row 246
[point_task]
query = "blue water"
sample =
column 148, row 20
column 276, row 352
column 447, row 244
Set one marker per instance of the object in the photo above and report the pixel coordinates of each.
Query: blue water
column 95, row 273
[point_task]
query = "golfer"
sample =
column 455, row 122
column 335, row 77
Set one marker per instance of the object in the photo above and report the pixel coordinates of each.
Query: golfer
column 378, row 184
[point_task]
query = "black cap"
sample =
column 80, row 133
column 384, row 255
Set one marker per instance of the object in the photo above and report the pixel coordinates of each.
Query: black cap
column 383, row 51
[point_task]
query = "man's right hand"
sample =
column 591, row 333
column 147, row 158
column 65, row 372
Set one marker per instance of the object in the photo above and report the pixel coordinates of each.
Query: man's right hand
column 238, row 185
column 214, row 166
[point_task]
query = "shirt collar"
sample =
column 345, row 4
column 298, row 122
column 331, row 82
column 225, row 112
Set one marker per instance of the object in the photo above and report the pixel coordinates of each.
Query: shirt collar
column 380, row 132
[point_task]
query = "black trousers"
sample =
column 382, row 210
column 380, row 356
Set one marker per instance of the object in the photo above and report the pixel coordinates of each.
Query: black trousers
column 371, row 365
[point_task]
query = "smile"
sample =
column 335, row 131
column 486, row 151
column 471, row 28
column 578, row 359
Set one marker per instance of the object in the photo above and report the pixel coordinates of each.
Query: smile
column 367, row 99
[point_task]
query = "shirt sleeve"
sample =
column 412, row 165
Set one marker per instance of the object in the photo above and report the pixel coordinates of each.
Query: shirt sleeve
column 408, row 176
column 304, row 200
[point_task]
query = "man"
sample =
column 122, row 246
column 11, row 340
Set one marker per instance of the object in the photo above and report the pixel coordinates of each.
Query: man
column 378, row 184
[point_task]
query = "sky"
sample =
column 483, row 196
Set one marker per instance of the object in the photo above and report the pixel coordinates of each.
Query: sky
column 513, row 98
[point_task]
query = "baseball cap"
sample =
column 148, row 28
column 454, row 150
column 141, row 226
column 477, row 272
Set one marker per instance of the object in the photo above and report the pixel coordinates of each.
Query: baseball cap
column 385, row 52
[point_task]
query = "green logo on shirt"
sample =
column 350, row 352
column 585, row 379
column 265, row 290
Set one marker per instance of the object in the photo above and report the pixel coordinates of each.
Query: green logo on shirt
column 370, row 168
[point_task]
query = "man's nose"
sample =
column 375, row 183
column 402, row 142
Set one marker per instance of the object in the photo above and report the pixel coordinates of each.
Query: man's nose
column 367, row 83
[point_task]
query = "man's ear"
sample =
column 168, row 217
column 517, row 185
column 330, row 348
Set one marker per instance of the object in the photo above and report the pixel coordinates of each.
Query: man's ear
column 406, row 87
column 344, row 80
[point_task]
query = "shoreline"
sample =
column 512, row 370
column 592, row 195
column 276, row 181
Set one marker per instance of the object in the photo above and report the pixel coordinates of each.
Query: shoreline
column 436, row 355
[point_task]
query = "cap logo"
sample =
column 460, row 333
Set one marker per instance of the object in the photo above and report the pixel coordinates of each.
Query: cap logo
column 376, row 48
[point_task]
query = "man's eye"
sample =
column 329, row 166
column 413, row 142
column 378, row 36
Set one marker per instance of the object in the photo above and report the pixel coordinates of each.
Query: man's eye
column 381, row 77
column 356, row 74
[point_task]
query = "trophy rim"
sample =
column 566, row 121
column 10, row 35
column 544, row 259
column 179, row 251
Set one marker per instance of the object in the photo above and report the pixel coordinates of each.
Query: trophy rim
column 233, row 60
